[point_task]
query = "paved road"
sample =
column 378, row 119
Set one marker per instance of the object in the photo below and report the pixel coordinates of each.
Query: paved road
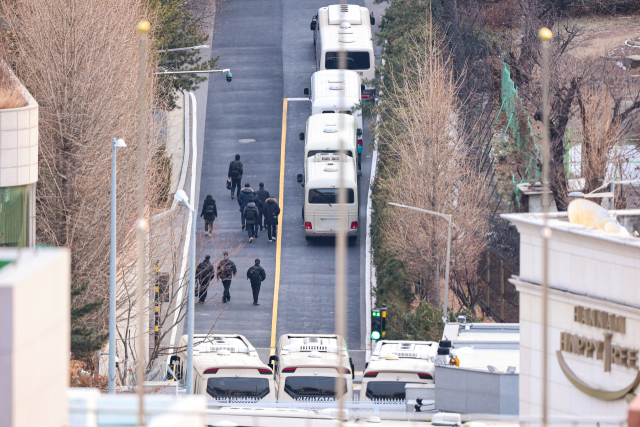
column 269, row 48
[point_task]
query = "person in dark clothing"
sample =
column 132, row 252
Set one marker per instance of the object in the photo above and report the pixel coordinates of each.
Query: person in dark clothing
column 204, row 274
column 256, row 199
column 256, row 276
column 243, row 199
column 209, row 213
column 235, row 174
column 271, row 212
column 264, row 195
column 251, row 215
column 226, row 271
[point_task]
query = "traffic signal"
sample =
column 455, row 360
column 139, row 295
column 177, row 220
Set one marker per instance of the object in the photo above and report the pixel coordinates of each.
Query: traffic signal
column 383, row 311
column 376, row 324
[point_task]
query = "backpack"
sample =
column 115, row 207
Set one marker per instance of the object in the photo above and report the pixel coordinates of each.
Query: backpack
column 254, row 274
column 234, row 170
column 210, row 208
column 250, row 215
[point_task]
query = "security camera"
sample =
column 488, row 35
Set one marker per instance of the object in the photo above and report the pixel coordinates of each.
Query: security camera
column 229, row 76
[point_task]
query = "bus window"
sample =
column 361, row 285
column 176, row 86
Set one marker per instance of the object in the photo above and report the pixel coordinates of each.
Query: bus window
column 355, row 61
column 386, row 390
column 299, row 387
column 328, row 111
column 314, row 152
column 325, row 196
column 225, row 388
column 346, row 112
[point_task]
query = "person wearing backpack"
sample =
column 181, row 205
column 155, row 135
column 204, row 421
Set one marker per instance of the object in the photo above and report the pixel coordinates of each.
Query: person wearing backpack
column 251, row 215
column 235, row 175
column 243, row 199
column 226, row 271
column 258, row 225
column 256, row 276
column 271, row 212
column 263, row 195
column 209, row 213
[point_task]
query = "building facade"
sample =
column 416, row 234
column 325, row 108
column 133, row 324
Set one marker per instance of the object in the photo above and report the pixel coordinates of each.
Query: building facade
column 18, row 167
column 593, row 317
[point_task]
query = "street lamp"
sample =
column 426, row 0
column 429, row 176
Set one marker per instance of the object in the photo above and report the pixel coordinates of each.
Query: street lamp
column 226, row 71
column 446, row 283
column 181, row 196
column 203, row 46
column 116, row 143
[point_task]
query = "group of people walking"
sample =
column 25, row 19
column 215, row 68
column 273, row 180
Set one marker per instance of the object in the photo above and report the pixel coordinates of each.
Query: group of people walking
column 258, row 210
column 225, row 272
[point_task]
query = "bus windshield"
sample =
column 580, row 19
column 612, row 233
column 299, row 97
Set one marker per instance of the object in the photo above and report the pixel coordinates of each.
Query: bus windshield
column 328, row 196
column 298, row 387
column 226, row 388
column 355, row 61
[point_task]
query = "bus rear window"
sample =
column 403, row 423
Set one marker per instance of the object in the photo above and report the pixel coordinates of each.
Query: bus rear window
column 386, row 390
column 355, row 61
column 228, row 388
column 314, row 152
column 323, row 387
column 325, row 196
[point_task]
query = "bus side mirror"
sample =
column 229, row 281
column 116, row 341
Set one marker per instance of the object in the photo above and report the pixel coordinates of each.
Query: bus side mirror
column 313, row 26
column 359, row 132
column 362, row 88
column 372, row 19
column 359, row 173
column 301, row 136
column 306, row 91
column 299, row 178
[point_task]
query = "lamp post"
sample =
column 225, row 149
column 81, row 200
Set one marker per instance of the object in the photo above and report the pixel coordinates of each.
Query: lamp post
column 446, row 283
column 181, row 196
column 116, row 143
column 202, row 46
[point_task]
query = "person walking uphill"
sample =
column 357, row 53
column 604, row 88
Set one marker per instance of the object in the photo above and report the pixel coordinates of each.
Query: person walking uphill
column 204, row 274
column 256, row 276
column 235, row 174
column 251, row 215
column 271, row 212
column 226, row 271
column 243, row 199
column 209, row 213
column 263, row 195
column 256, row 199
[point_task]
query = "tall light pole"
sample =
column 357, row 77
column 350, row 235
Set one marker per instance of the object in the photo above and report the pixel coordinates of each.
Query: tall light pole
column 181, row 196
column 446, row 282
column 116, row 143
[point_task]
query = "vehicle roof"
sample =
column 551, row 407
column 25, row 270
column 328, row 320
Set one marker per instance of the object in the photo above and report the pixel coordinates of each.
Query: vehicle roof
column 335, row 88
column 324, row 132
column 323, row 171
column 405, row 349
column 358, row 36
column 496, row 332
column 400, row 365
column 317, row 350
column 223, row 351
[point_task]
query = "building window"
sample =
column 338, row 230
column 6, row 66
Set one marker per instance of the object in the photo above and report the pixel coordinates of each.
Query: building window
column 14, row 216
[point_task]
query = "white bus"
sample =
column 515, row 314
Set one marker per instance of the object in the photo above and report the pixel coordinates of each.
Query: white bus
column 321, row 182
column 336, row 91
column 345, row 28
column 394, row 364
column 307, row 365
column 225, row 367
column 330, row 133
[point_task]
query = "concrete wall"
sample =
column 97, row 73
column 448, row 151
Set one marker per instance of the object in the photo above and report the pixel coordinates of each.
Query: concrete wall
column 472, row 391
column 34, row 337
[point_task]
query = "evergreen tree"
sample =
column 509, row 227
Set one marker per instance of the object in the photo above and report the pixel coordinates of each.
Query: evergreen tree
column 85, row 340
column 178, row 27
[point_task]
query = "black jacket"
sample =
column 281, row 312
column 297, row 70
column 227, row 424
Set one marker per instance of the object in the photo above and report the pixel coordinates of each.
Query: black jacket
column 261, row 273
column 251, row 207
column 205, row 205
column 226, row 269
column 271, row 211
column 240, row 168
column 263, row 194
column 245, row 197
column 204, row 273
column 258, row 202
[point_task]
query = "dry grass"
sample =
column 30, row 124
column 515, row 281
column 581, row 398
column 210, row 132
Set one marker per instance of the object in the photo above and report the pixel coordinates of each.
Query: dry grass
column 11, row 98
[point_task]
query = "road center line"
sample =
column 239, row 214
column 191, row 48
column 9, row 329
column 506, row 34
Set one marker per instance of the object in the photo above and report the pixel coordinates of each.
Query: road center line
column 283, row 149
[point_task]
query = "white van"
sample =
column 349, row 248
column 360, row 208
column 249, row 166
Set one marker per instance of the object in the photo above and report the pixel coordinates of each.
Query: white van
column 307, row 365
column 394, row 364
column 345, row 28
column 225, row 367
column 326, row 134
column 321, row 181
column 336, row 91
